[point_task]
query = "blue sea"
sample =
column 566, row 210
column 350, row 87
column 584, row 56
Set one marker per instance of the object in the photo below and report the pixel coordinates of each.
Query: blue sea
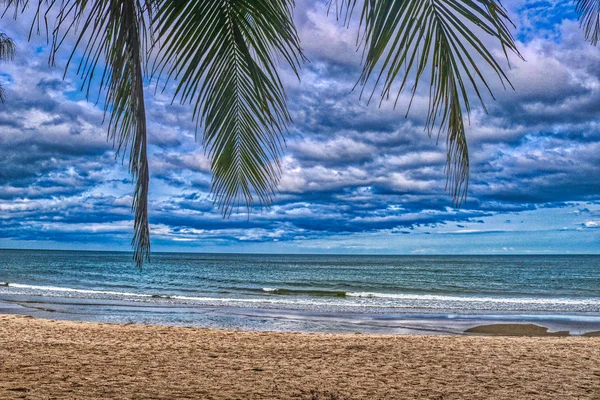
column 309, row 293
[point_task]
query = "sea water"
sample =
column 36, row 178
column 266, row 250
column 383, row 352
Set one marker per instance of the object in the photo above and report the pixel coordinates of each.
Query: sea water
column 316, row 293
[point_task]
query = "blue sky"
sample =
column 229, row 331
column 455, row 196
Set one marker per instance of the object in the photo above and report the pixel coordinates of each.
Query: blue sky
column 356, row 178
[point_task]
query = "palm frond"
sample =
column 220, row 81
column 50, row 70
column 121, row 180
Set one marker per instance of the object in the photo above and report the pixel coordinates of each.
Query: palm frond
column 589, row 19
column 223, row 53
column 111, row 43
column 442, row 42
column 7, row 48
column 7, row 52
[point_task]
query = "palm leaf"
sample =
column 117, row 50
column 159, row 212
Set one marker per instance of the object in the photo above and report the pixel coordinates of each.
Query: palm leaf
column 7, row 48
column 111, row 40
column 589, row 19
column 223, row 55
column 442, row 42
column 7, row 52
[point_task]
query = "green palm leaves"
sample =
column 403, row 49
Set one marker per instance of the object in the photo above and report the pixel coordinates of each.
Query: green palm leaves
column 589, row 19
column 115, row 29
column 7, row 52
column 111, row 45
column 440, row 42
column 223, row 55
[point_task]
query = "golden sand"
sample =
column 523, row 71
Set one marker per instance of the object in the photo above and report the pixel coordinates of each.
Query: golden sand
column 43, row 359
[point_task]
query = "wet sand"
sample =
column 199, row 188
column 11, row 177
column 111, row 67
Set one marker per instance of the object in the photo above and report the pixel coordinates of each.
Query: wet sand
column 517, row 330
column 43, row 359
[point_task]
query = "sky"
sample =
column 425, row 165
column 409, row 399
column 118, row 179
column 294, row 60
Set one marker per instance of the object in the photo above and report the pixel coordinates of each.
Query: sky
column 356, row 178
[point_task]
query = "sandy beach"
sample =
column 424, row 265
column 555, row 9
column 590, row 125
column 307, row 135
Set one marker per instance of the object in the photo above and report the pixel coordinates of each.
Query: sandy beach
column 43, row 359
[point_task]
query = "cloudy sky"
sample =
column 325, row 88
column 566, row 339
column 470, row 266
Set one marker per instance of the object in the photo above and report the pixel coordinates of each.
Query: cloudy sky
column 356, row 178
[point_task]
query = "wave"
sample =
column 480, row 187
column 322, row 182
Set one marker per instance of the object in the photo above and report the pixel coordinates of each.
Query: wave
column 486, row 299
column 131, row 295
column 438, row 298
column 303, row 297
column 320, row 293
column 83, row 291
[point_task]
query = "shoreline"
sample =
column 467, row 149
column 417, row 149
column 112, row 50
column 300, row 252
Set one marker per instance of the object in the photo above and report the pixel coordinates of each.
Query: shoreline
column 163, row 313
column 63, row 359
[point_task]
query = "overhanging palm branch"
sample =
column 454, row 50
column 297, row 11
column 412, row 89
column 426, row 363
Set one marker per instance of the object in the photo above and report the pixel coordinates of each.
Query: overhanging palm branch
column 441, row 42
column 589, row 19
column 7, row 52
column 223, row 54
column 112, row 45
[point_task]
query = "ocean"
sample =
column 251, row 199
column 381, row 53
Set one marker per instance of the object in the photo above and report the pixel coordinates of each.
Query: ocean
column 309, row 293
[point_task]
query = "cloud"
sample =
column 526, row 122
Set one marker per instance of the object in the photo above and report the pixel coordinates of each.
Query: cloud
column 356, row 177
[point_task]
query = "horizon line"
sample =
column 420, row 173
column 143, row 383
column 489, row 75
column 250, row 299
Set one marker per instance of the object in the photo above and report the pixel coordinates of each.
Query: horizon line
column 312, row 254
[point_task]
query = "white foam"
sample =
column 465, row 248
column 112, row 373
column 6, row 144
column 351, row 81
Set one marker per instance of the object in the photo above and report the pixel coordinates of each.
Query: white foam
column 140, row 295
column 486, row 299
column 386, row 299
column 86, row 291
